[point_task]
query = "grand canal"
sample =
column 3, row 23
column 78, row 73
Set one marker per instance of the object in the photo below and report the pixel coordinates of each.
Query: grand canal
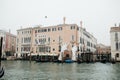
column 24, row 70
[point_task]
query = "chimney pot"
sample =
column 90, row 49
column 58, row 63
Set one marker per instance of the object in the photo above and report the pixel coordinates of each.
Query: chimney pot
column 64, row 19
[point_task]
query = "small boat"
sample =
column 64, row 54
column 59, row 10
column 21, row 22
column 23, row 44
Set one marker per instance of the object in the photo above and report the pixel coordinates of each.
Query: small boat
column 37, row 60
column 113, row 61
column 68, row 61
column 79, row 61
column 103, row 60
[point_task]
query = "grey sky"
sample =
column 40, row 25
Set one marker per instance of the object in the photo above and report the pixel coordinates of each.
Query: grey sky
column 97, row 15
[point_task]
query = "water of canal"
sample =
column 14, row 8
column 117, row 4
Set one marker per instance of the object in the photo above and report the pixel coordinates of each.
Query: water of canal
column 24, row 70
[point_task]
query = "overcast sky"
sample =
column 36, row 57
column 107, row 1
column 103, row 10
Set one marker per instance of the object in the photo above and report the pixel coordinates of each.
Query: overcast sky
column 97, row 15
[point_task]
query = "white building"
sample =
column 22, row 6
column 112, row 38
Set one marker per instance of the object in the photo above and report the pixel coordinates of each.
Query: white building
column 24, row 43
column 87, row 41
column 115, row 42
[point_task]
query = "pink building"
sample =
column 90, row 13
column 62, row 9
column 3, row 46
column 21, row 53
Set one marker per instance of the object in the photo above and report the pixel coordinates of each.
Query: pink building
column 9, row 43
column 48, row 40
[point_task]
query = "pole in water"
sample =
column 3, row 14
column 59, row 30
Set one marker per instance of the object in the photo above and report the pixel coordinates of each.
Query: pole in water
column 1, row 40
column 1, row 68
column 30, row 56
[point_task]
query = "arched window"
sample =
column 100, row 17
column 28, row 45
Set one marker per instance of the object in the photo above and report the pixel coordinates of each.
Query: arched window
column 116, row 45
column 117, row 54
column 116, row 36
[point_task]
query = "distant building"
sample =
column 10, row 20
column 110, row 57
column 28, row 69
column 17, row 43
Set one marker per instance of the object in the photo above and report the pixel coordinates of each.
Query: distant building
column 103, row 49
column 48, row 40
column 115, row 42
column 103, row 52
column 9, row 43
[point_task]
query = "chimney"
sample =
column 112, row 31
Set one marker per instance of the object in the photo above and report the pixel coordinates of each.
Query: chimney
column 80, row 23
column 119, row 24
column 9, row 31
column 21, row 27
column 64, row 19
column 115, row 24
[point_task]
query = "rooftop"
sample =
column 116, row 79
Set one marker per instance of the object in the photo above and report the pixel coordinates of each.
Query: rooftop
column 115, row 29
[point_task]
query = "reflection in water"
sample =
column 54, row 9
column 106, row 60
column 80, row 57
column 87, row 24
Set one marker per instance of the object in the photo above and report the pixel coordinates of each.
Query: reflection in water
column 23, row 70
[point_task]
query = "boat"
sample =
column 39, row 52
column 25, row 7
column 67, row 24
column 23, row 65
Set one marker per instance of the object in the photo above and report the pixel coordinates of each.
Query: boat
column 1, row 68
column 79, row 61
column 68, row 61
column 113, row 61
column 103, row 60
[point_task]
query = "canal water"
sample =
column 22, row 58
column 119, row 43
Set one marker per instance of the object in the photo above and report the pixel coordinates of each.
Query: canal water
column 24, row 70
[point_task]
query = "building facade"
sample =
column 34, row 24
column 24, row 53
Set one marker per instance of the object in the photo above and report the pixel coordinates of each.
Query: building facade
column 9, row 43
column 115, row 42
column 103, row 52
column 48, row 40
column 24, row 41
column 103, row 49
column 87, row 42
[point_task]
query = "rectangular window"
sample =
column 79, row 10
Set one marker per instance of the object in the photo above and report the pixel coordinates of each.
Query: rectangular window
column 49, row 39
column 78, row 28
column 91, row 44
column 49, row 29
column 116, row 45
column 42, row 49
column 17, row 48
column 80, row 40
column 72, row 37
column 21, row 49
column 72, row 27
column 45, row 30
column 59, row 28
column 35, row 31
column 119, row 46
column 53, row 29
column 116, row 36
column 88, row 43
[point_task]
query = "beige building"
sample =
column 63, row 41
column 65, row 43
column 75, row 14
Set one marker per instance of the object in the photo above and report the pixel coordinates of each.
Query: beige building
column 115, row 42
column 103, row 49
column 24, row 41
column 48, row 40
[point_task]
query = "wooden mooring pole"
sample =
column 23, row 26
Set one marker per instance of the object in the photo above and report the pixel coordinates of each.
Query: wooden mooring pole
column 1, row 40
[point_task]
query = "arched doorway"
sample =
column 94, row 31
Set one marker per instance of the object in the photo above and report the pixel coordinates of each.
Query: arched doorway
column 117, row 56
